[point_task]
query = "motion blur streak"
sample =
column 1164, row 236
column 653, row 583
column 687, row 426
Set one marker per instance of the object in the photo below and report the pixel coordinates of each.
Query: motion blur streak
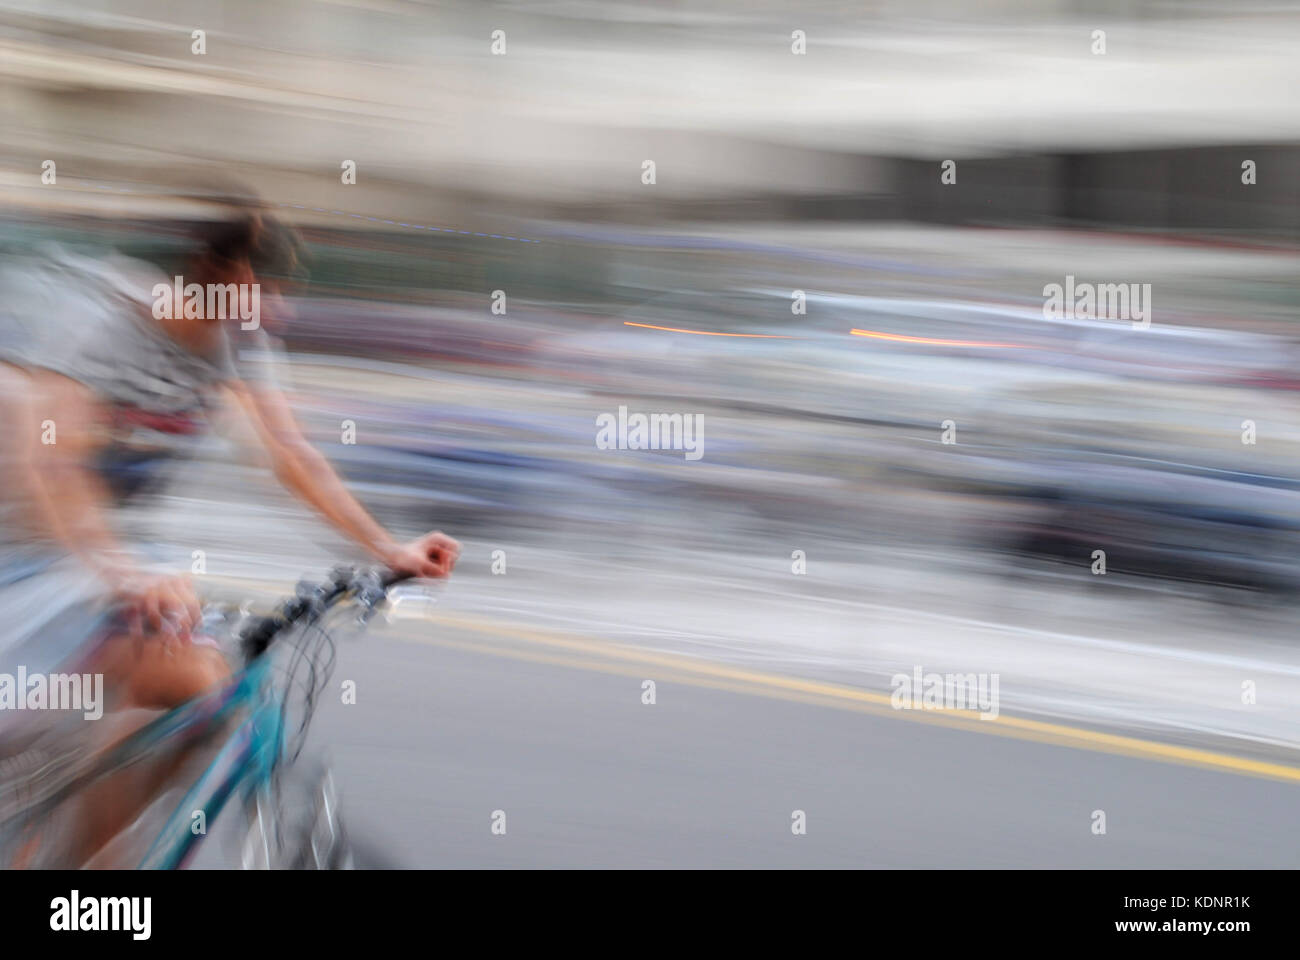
column 877, row 335
column 834, row 263
column 710, row 333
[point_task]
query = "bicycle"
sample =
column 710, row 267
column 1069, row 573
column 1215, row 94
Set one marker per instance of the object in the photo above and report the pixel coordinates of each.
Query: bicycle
column 256, row 759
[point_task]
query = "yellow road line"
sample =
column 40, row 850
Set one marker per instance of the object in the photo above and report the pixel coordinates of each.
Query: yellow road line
column 719, row 676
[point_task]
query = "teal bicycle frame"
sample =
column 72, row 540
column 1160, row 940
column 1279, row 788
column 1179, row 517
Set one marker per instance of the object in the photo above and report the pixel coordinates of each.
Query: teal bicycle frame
column 252, row 759
column 247, row 760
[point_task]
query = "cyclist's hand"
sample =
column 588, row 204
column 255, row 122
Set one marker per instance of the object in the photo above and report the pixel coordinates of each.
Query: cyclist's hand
column 162, row 605
column 432, row 556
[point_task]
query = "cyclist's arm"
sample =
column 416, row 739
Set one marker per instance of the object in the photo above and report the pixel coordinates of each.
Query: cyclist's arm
column 306, row 473
column 56, row 442
column 22, row 479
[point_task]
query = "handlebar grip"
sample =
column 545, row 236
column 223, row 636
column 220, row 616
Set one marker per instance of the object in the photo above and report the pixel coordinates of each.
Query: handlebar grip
column 390, row 578
column 372, row 586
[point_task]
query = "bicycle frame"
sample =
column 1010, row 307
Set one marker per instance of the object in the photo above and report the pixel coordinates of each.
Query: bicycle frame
column 251, row 757
column 248, row 758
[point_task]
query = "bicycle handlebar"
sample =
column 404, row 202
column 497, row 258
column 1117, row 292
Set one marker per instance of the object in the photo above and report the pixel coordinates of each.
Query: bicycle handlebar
column 369, row 586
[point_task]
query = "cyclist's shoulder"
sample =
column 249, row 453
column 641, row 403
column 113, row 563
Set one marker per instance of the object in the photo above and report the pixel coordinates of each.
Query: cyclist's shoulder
column 63, row 300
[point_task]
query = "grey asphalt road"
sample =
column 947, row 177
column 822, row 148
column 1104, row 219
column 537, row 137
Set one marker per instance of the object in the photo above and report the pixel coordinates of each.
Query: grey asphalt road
column 451, row 725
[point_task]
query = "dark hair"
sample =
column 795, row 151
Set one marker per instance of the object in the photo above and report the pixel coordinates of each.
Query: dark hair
column 240, row 228
column 230, row 240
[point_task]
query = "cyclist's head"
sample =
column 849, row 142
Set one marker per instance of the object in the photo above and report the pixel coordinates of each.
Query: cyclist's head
column 222, row 241
column 240, row 242
column 224, row 248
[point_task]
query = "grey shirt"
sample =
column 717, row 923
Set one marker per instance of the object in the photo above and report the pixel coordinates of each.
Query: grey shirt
column 91, row 320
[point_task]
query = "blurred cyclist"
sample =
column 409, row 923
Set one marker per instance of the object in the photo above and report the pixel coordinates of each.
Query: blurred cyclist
column 102, row 388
